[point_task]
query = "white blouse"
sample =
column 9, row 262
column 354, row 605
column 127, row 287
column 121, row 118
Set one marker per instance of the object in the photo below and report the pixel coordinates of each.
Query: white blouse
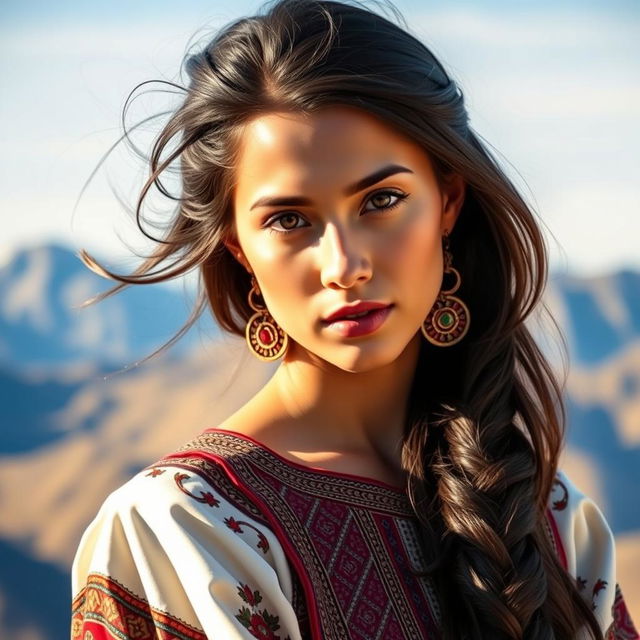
column 227, row 539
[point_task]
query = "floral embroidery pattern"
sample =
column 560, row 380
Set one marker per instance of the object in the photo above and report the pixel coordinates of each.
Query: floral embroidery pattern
column 561, row 504
column 234, row 525
column 261, row 624
column 154, row 472
column 345, row 597
column 206, row 497
column 598, row 586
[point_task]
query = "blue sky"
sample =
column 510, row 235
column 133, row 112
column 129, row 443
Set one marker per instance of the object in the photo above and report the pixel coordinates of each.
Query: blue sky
column 43, row 10
column 554, row 87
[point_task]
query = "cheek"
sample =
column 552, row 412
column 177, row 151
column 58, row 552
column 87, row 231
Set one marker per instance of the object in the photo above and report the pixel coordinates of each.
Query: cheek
column 283, row 280
column 415, row 256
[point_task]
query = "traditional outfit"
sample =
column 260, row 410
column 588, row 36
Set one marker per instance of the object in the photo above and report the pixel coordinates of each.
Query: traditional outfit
column 227, row 539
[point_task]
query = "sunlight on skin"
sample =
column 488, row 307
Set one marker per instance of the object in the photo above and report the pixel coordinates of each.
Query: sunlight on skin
column 340, row 249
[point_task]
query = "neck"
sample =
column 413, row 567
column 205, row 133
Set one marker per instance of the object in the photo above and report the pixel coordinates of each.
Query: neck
column 346, row 411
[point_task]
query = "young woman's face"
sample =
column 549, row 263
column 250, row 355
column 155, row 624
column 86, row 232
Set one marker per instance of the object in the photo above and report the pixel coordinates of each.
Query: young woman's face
column 339, row 235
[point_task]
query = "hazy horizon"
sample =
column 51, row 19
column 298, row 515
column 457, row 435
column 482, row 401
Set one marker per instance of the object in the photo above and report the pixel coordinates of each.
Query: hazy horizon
column 555, row 89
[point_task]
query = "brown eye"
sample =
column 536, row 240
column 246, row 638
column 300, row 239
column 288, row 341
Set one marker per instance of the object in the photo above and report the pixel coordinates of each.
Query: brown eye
column 386, row 200
column 381, row 199
column 288, row 221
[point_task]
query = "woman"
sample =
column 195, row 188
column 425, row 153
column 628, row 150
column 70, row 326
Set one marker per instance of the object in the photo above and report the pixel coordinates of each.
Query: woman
column 397, row 476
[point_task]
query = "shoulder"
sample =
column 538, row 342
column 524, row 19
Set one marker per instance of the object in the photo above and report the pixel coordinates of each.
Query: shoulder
column 167, row 510
column 172, row 549
column 581, row 525
column 585, row 545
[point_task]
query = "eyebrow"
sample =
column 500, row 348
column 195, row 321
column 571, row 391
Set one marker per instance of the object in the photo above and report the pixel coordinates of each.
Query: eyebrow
column 302, row 201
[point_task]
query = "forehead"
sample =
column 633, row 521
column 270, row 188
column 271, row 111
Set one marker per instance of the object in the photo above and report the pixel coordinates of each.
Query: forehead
column 331, row 147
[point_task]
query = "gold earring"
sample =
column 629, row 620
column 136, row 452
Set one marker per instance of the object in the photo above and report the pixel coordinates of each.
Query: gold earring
column 449, row 318
column 266, row 340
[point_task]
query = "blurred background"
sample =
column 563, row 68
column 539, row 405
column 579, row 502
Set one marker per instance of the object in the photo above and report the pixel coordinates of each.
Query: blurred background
column 553, row 87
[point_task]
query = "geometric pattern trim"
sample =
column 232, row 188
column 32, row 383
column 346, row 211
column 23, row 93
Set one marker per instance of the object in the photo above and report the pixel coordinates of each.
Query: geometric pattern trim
column 106, row 610
column 353, row 544
column 622, row 627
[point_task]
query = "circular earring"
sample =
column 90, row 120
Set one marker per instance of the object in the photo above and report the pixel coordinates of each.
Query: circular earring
column 449, row 318
column 264, row 336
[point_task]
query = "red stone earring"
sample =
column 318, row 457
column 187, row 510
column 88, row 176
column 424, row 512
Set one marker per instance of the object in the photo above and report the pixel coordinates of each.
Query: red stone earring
column 448, row 320
column 264, row 336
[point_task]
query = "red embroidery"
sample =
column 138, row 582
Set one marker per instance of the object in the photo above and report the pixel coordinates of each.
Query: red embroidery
column 599, row 586
column 320, row 518
column 155, row 472
column 353, row 544
column 622, row 627
column 557, row 539
column 234, row 525
column 261, row 624
column 205, row 496
column 559, row 505
column 105, row 609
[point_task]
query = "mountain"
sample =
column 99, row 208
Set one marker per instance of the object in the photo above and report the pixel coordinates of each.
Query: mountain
column 76, row 423
column 41, row 329
column 602, row 314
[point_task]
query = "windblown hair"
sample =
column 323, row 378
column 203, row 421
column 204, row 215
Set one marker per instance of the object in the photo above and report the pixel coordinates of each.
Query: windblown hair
column 486, row 421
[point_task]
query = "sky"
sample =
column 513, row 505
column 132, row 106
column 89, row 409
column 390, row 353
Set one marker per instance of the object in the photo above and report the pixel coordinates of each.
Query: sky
column 554, row 88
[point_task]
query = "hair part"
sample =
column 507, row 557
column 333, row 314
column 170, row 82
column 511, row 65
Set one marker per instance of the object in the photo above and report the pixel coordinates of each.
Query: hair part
column 486, row 422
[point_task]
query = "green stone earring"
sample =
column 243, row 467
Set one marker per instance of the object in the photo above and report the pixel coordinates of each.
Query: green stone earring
column 448, row 320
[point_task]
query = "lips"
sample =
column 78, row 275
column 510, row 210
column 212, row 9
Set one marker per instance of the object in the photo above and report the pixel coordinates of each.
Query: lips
column 357, row 308
column 360, row 326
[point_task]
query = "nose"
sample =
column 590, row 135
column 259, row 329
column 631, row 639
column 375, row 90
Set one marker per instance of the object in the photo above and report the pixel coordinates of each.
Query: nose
column 343, row 264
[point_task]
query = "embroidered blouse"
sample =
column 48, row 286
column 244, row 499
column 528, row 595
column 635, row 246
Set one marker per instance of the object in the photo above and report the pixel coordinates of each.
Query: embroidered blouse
column 225, row 538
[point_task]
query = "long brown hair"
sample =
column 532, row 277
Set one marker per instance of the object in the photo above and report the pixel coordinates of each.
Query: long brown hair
column 486, row 422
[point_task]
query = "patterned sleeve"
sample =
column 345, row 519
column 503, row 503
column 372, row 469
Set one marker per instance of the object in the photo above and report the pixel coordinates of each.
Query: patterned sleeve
column 168, row 557
column 586, row 548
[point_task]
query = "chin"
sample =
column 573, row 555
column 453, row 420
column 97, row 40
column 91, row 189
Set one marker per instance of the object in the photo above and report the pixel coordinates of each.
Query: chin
column 360, row 359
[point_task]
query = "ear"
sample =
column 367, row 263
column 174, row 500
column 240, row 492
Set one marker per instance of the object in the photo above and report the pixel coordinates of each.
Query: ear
column 232, row 244
column 453, row 192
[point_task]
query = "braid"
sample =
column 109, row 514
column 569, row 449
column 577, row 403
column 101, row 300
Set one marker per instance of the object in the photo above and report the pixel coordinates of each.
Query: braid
column 485, row 475
column 479, row 489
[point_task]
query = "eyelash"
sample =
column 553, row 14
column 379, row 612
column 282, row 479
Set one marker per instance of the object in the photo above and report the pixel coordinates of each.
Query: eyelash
column 397, row 194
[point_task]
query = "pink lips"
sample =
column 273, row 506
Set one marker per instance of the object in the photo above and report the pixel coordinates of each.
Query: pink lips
column 352, row 327
column 358, row 307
